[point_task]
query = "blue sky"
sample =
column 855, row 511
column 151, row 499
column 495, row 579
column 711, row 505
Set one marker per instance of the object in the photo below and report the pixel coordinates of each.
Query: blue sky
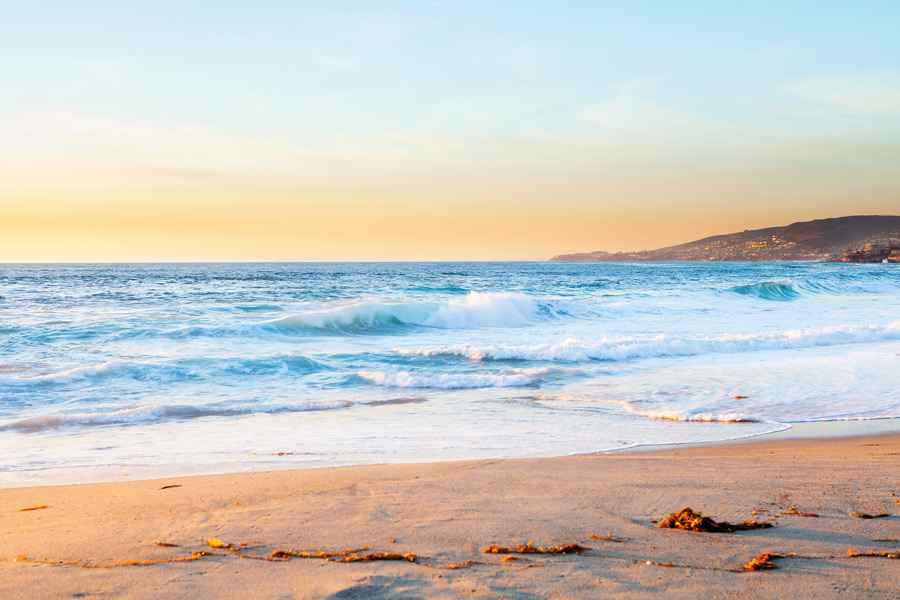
column 627, row 118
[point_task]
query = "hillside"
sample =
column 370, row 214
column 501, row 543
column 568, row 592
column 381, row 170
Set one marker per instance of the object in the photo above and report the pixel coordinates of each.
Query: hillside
column 806, row 240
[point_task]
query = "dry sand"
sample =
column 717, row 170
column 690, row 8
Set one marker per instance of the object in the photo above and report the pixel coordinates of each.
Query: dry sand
column 448, row 513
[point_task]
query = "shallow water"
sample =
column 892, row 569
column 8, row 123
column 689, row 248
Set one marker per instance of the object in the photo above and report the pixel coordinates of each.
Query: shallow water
column 150, row 369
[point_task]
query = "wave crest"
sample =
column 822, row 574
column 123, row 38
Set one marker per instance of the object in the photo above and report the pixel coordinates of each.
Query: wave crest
column 474, row 310
column 787, row 291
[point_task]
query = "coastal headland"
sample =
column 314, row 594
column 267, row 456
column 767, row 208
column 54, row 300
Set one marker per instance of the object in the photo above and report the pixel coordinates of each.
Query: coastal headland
column 571, row 527
column 821, row 240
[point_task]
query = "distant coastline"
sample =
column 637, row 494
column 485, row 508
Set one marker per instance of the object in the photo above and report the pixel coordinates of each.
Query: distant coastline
column 820, row 240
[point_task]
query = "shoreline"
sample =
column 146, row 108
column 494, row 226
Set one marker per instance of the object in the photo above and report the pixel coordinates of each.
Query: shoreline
column 116, row 473
column 806, row 430
column 448, row 513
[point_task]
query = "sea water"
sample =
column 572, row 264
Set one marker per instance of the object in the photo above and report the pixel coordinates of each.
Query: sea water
column 165, row 369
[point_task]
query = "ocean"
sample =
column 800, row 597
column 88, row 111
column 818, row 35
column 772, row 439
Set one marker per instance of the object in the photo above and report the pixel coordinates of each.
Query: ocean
column 113, row 371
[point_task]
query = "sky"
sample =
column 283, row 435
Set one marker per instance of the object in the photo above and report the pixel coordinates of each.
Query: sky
column 445, row 130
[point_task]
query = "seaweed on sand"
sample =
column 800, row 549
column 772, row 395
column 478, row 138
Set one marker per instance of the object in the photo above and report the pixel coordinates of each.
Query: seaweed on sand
column 687, row 519
column 854, row 554
column 795, row 510
column 119, row 563
column 763, row 562
column 530, row 548
column 358, row 555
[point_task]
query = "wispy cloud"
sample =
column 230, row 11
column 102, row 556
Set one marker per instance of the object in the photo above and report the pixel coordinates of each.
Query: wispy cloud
column 870, row 93
column 62, row 137
column 72, row 138
column 61, row 123
column 636, row 126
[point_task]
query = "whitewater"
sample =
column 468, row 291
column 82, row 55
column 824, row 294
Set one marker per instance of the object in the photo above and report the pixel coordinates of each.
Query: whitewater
column 112, row 371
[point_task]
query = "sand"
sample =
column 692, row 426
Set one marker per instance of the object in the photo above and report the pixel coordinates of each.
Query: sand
column 448, row 513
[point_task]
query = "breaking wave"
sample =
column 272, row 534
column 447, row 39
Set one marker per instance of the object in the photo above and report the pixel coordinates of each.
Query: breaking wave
column 786, row 291
column 474, row 310
column 638, row 347
column 769, row 290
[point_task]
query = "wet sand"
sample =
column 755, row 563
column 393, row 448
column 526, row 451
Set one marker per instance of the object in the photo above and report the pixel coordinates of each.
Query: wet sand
column 447, row 514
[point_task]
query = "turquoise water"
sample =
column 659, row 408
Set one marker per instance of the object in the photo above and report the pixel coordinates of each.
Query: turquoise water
column 170, row 369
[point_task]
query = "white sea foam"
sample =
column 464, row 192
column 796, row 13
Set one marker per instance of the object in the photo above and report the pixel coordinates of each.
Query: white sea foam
column 449, row 381
column 479, row 309
column 637, row 347
column 683, row 415
column 854, row 382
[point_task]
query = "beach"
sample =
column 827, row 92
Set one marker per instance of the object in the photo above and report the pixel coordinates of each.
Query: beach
column 369, row 430
column 437, row 519
column 439, row 300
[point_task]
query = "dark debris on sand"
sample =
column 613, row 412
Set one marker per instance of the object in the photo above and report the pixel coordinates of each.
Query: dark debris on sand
column 689, row 520
column 530, row 548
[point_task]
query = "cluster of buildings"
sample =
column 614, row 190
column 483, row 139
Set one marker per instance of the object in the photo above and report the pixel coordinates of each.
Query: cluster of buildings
column 768, row 248
column 773, row 247
column 875, row 252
